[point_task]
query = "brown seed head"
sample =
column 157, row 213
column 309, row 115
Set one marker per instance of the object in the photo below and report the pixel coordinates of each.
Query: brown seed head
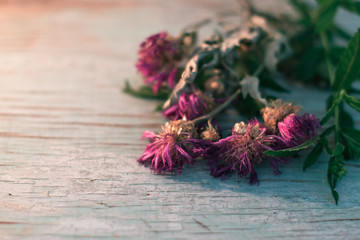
column 211, row 134
column 239, row 128
column 179, row 129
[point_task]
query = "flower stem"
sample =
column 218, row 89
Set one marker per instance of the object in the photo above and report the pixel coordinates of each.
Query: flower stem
column 337, row 120
column 325, row 42
column 259, row 70
column 218, row 109
column 225, row 104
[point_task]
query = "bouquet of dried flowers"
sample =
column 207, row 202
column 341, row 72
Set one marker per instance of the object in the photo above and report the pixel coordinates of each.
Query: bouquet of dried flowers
column 231, row 69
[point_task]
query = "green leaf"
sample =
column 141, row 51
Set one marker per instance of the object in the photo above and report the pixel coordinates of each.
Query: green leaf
column 340, row 32
column 349, row 66
column 327, row 147
column 146, row 92
column 336, row 53
column 353, row 102
column 308, row 65
column 353, row 150
column 336, row 170
column 351, row 139
column 330, row 111
column 351, row 6
column 339, row 149
column 314, row 155
column 291, row 151
column 346, row 119
column 325, row 15
column 327, row 131
column 351, row 134
column 324, row 2
column 335, row 195
column 248, row 106
column 267, row 81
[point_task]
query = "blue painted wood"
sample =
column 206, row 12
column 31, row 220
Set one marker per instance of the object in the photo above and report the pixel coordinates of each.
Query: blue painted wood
column 70, row 139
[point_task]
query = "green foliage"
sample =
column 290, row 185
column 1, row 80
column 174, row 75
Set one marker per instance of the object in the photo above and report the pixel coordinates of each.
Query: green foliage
column 248, row 106
column 325, row 15
column 351, row 138
column 314, row 154
column 349, row 66
column 307, row 67
column 308, row 59
column 146, row 92
column 351, row 6
column 351, row 151
column 347, row 140
column 336, row 169
column 353, row 102
column 345, row 118
column 336, row 53
column 292, row 151
column 266, row 81
column 352, row 135
column 336, row 101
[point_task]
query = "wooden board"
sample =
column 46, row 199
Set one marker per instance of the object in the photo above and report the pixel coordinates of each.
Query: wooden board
column 70, row 139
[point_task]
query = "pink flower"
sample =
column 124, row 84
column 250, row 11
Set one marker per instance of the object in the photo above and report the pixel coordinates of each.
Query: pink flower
column 275, row 112
column 158, row 61
column 242, row 151
column 296, row 129
column 190, row 106
column 172, row 149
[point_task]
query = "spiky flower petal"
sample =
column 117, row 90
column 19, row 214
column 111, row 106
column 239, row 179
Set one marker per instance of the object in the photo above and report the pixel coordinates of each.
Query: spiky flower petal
column 296, row 129
column 171, row 149
column 242, row 151
column 190, row 106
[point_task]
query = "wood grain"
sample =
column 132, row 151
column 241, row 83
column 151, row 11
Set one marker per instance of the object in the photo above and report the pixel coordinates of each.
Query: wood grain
column 70, row 139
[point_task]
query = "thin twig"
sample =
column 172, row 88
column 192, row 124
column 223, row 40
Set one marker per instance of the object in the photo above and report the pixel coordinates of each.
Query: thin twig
column 218, row 109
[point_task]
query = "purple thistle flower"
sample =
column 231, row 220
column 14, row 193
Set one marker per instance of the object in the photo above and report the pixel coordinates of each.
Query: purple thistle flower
column 296, row 129
column 173, row 148
column 158, row 61
column 242, row 151
column 275, row 112
column 190, row 106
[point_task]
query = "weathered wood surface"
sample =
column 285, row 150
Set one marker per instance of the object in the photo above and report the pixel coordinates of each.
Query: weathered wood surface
column 70, row 139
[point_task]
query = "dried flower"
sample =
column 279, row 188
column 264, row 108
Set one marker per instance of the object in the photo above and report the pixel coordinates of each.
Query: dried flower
column 275, row 112
column 215, row 85
column 210, row 134
column 158, row 60
column 173, row 148
column 242, row 151
column 296, row 129
column 239, row 128
column 190, row 106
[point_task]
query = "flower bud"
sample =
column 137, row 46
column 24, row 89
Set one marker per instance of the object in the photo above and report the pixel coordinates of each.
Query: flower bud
column 276, row 111
column 210, row 134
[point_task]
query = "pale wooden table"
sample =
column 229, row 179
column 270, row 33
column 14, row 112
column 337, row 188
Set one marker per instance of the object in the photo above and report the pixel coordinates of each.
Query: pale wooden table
column 70, row 139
